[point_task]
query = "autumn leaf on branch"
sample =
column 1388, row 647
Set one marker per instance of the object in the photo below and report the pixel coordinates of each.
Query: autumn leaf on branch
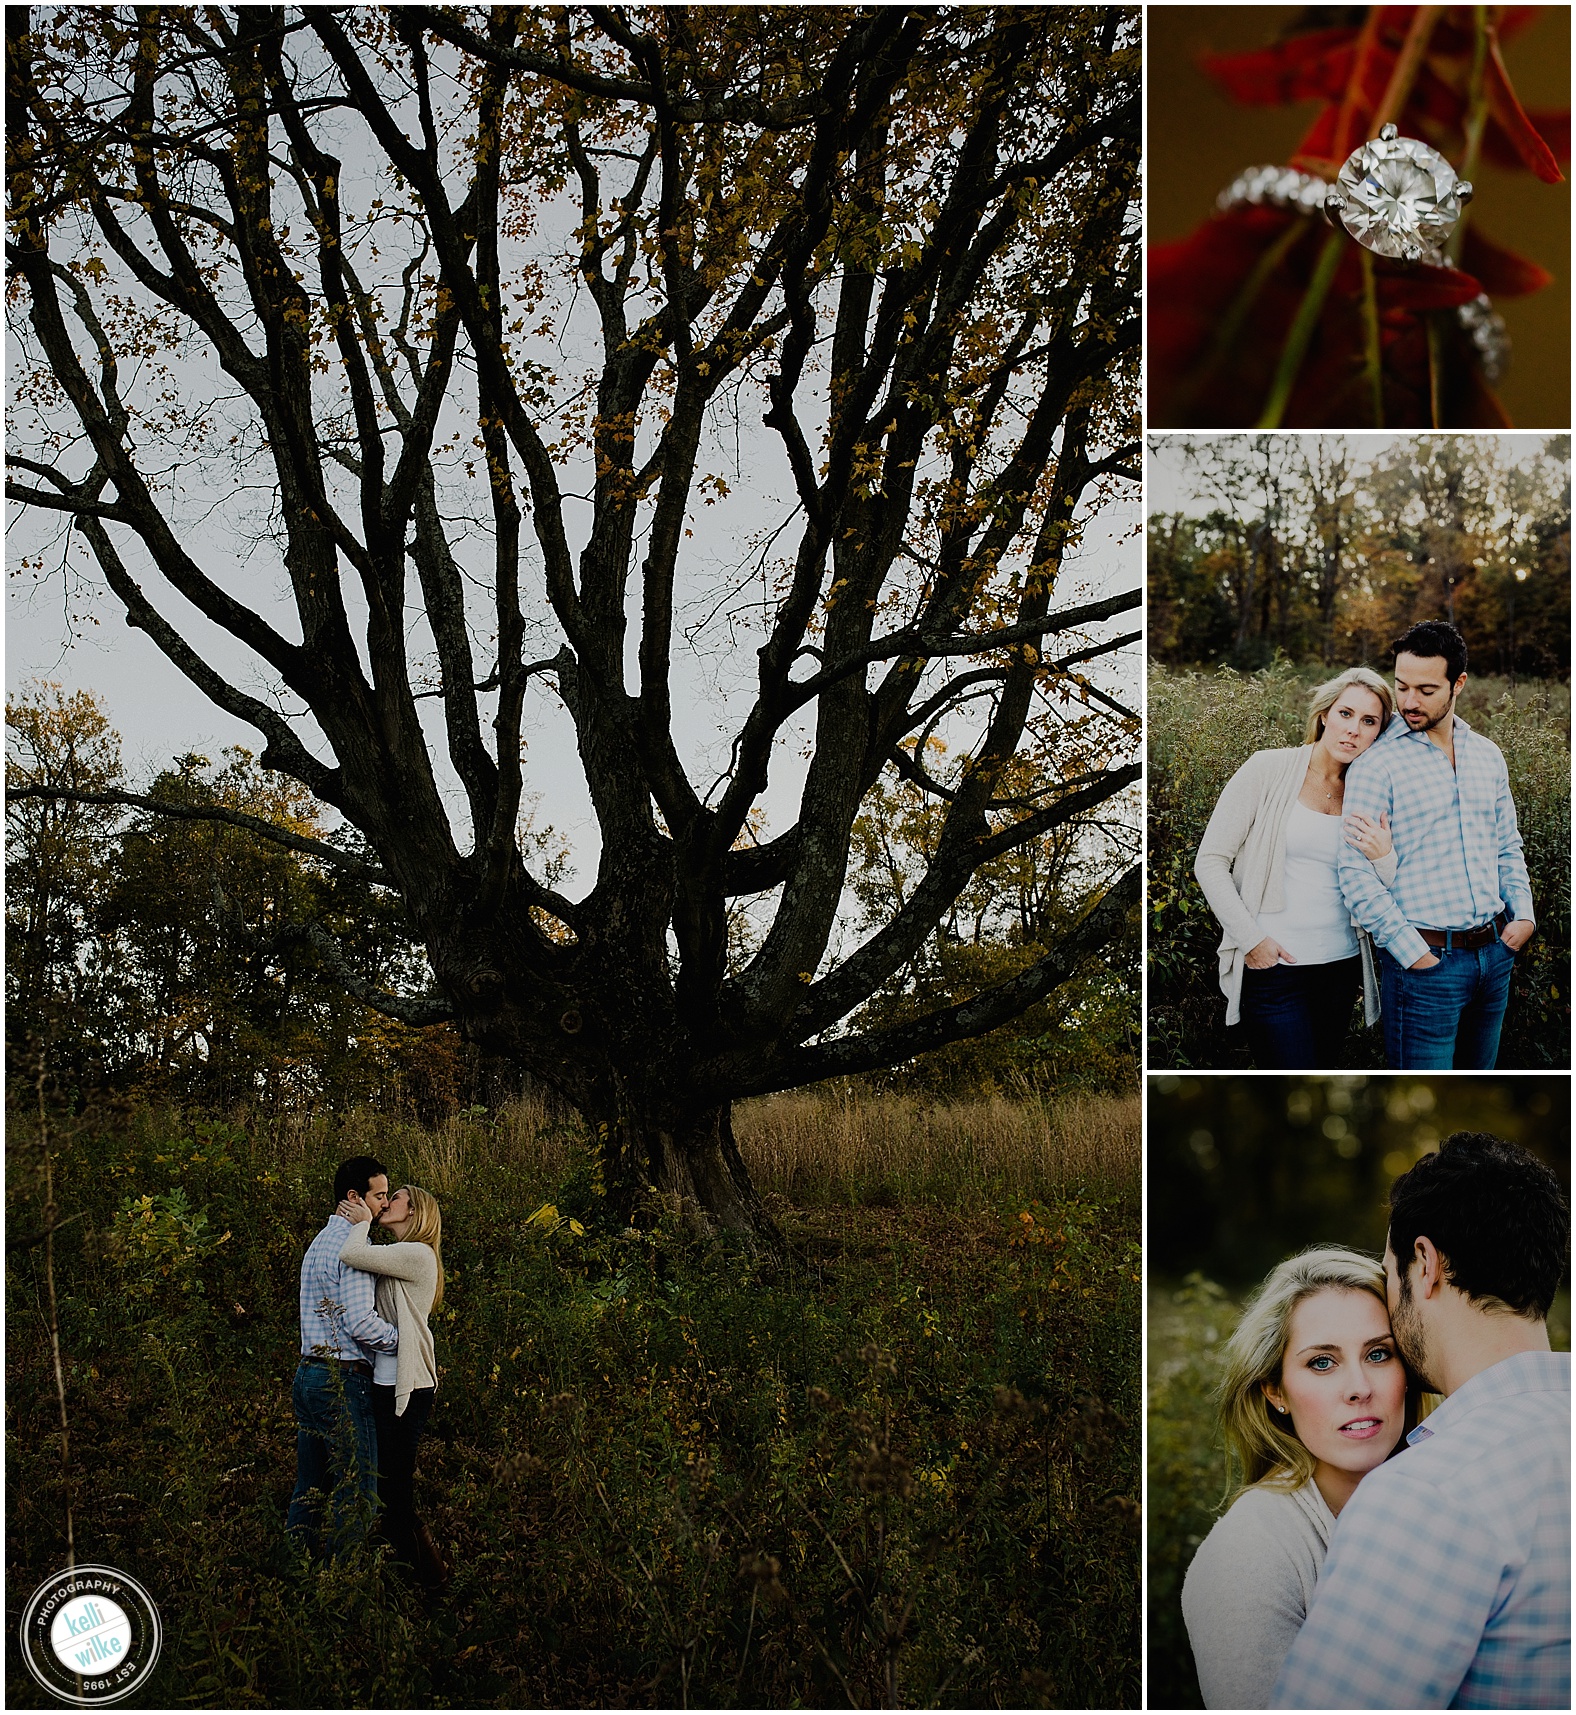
column 1264, row 317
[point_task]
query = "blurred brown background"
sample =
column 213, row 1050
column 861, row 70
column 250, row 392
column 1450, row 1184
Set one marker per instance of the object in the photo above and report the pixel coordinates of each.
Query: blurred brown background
column 1199, row 141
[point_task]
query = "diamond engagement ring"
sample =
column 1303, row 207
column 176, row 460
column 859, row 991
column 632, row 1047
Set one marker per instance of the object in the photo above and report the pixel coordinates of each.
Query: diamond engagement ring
column 1396, row 197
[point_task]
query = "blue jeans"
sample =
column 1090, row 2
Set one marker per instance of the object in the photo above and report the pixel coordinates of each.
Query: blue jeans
column 1297, row 1016
column 1450, row 1014
column 336, row 1454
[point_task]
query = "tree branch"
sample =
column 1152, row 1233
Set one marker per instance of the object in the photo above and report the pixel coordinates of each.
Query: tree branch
column 865, row 1053
column 345, row 862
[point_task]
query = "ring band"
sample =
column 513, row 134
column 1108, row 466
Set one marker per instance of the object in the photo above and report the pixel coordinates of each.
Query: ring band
column 1296, row 192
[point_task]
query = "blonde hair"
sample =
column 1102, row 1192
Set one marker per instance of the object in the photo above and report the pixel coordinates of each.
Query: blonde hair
column 1261, row 1446
column 426, row 1228
column 1323, row 699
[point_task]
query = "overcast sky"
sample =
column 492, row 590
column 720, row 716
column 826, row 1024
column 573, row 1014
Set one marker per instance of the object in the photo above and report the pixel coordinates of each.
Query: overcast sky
column 1170, row 485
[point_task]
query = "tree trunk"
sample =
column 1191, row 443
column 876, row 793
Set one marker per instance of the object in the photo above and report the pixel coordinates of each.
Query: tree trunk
column 684, row 1160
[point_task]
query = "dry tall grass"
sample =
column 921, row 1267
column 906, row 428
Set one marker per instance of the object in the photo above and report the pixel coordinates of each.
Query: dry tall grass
column 821, row 1144
column 827, row 1144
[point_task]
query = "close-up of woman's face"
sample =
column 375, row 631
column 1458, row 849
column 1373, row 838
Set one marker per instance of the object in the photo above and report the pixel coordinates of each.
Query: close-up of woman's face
column 1342, row 1381
column 1352, row 723
column 397, row 1213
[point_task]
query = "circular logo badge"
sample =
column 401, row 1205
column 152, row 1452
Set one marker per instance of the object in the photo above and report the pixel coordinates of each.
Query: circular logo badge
column 90, row 1635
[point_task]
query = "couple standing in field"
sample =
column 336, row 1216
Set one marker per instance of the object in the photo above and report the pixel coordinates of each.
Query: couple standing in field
column 1392, row 826
column 368, row 1372
column 1378, row 1554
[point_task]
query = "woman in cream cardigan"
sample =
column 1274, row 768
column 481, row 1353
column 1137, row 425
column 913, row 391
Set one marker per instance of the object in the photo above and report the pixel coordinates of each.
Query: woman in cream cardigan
column 409, row 1288
column 1314, row 1396
column 1290, row 957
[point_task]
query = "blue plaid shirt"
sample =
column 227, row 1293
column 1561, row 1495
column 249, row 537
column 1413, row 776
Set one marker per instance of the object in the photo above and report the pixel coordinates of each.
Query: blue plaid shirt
column 339, row 1316
column 1448, row 1582
column 1458, row 852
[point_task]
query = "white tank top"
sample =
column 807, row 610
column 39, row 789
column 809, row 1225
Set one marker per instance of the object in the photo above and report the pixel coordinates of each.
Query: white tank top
column 1315, row 928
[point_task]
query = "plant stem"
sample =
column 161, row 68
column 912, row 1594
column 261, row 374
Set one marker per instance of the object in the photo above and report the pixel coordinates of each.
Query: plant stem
column 1435, row 378
column 1231, row 323
column 1356, row 97
column 1408, row 61
column 1297, row 340
column 1476, row 120
column 51, row 1218
column 1372, row 353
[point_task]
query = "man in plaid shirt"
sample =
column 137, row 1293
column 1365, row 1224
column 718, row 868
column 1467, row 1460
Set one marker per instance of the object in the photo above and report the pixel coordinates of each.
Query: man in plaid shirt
column 341, row 1331
column 1460, row 908
column 1448, row 1580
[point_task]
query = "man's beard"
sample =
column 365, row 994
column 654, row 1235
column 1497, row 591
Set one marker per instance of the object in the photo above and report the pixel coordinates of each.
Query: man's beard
column 1429, row 725
column 1410, row 1340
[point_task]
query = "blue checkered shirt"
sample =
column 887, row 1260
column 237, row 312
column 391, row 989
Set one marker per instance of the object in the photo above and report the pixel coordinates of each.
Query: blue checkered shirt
column 1448, row 1582
column 1458, row 852
column 339, row 1316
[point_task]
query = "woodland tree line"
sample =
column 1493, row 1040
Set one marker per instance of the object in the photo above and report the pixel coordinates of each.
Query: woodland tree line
column 1309, row 549
column 152, row 956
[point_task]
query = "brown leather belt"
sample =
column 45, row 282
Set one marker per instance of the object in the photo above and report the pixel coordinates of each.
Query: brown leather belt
column 356, row 1366
column 1466, row 940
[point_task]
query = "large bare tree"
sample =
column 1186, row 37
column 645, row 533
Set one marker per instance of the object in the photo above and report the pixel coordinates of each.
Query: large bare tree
column 451, row 279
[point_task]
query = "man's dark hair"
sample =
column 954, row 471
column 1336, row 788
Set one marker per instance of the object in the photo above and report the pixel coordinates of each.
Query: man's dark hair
column 356, row 1175
column 1434, row 637
column 1496, row 1215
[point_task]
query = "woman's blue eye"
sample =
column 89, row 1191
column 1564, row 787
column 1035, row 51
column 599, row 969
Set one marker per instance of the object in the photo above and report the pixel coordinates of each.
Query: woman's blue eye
column 1321, row 1364
column 1380, row 1354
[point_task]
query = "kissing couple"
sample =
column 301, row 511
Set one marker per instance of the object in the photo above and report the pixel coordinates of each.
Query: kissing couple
column 1427, row 866
column 1378, row 1555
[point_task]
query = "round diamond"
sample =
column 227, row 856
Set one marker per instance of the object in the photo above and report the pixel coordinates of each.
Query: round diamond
column 1400, row 197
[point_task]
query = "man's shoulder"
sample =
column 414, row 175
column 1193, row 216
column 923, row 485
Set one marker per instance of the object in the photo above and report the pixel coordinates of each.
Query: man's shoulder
column 1375, row 760
column 1482, row 748
column 323, row 1250
column 1483, row 1464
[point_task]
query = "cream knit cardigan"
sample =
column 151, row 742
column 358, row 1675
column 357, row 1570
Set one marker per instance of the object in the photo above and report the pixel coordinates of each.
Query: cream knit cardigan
column 1248, row 1590
column 1241, row 865
column 407, row 1284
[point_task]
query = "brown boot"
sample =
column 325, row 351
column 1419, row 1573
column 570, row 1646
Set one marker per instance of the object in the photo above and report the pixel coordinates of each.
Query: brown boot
column 432, row 1570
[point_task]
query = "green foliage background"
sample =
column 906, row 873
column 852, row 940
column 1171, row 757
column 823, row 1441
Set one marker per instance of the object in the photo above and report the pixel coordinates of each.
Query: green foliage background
column 1204, row 726
column 906, row 1469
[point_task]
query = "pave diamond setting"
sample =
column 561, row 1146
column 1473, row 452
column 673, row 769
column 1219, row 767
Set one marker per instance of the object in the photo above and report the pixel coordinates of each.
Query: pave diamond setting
column 1398, row 197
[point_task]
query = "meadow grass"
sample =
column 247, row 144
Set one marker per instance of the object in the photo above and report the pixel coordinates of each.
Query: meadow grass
column 831, row 1144
column 903, row 1470
column 1203, row 726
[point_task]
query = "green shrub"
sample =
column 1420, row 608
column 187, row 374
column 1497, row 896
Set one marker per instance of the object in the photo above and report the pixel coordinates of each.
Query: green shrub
column 1204, row 726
